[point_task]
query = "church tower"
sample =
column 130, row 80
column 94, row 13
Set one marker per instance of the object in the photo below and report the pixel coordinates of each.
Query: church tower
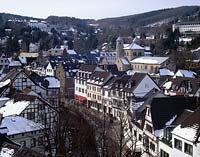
column 119, row 47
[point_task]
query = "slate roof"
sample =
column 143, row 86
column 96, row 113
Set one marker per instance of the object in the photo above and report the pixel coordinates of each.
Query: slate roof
column 149, row 60
column 164, row 109
column 99, row 77
column 134, row 46
column 17, row 125
column 192, row 121
column 128, row 83
column 113, row 69
column 87, row 67
column 182, row 117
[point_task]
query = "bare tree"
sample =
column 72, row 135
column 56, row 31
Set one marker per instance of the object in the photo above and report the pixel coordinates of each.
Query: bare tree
column 125, row 136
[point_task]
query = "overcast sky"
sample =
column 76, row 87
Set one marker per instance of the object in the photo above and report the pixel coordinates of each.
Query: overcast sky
column 87, row 8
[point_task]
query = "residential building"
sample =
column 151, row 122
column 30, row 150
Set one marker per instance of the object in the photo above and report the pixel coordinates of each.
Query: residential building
column 185, row 73
column 185, row 136
column 122, row 92
column 20, row 79
column 182, row 86
column 83, row 74
column 4, row 62
column 94, row 89
column 24, row 132
column 156, row 121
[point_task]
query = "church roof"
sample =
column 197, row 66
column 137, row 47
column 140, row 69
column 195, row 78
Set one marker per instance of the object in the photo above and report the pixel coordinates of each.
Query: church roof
column 133, row 46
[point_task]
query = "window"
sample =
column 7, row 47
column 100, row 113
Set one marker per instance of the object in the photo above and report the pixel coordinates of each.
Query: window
column 149, row 128
column 82, row 90
column 33, row 142
column 188, row 149
column 177, row 144
column 163, row 153
column 152, row 146
column 30, row 115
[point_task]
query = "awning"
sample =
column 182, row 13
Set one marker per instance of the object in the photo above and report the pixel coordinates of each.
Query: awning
column 80, row 98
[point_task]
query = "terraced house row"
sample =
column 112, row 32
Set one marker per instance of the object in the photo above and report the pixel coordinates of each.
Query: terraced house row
column 163, row 124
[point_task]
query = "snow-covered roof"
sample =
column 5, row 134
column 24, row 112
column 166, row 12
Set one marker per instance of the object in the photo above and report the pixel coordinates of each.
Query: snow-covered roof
column 119, row 39
column 93, row 52
column 71, row 52
column 124, row 60
column 133, row 46
column 17, row 125
column 185, row 39
column 53, row 82
column 4, row 83
column 149, row 60
column 4, row 99
column 13, row 62
column 23, row 60
column 159, row 133
column 13, row 108
column 185, row 73
column 108, row 54
column 130, row 72
column 166, row 72
column 188, row 133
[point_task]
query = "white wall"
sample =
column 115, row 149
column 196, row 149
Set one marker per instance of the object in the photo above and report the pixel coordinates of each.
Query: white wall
column 176, row 152
column 49, row 70
column 82, row 86
column 165, row 148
